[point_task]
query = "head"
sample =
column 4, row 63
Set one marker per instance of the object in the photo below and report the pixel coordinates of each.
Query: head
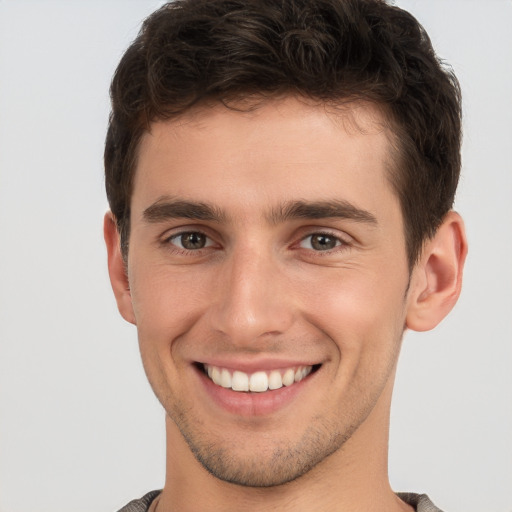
column 333, row 51
column 280, row 176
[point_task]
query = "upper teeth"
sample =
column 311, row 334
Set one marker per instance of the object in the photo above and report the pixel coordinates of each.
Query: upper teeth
column 257, row 382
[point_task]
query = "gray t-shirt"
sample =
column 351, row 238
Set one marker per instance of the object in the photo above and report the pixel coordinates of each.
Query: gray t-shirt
column 421, row 502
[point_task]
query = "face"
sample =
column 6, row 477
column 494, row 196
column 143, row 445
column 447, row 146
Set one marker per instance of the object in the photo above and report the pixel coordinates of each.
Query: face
column 268, row 278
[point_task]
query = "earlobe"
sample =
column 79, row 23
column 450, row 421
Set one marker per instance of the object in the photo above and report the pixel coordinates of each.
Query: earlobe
column 116, row 268
column 437, row 277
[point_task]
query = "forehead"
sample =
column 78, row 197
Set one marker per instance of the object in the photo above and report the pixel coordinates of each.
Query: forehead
column 279, row 149
column 288, row 114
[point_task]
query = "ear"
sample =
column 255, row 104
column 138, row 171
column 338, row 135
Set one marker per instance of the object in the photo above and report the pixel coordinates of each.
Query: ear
column 437, row 278
column 117, row 269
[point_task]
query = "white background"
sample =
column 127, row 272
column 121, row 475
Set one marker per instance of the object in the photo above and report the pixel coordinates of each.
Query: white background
column 80, row 430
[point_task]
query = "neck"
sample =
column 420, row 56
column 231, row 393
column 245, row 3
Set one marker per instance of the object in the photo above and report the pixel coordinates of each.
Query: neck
column 353, row 478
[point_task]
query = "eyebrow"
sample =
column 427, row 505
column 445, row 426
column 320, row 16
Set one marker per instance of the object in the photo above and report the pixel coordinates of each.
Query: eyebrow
column 167, row 208
column 335, row 208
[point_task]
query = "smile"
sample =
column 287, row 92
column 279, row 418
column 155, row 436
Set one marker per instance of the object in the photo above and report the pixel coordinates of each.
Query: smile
column 257, row 382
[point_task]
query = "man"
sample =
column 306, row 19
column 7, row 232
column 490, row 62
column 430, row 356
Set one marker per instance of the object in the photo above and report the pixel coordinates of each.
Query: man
column 281, row 177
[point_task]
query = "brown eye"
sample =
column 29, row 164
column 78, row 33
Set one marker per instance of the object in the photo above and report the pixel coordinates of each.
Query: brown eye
column 191, row 240
column 320, row 242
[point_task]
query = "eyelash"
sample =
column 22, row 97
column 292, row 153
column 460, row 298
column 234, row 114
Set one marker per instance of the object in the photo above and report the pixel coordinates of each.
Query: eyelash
column 341, row 244
column 168, row 242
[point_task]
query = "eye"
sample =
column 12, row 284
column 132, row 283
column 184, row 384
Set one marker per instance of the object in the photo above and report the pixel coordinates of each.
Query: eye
column 190, row 240
column 320, row 242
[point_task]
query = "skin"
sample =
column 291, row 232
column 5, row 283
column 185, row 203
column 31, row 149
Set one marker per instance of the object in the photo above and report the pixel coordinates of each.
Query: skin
column 261, row 292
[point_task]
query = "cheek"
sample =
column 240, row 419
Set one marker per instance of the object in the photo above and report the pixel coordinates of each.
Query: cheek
column 166, row 306
column 361, row 310
column 162, row 297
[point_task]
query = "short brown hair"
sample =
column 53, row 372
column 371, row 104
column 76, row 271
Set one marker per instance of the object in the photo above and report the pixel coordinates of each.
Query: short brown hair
column 191, row 51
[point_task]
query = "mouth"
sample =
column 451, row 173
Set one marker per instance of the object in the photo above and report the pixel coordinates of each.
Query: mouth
column 259, row 381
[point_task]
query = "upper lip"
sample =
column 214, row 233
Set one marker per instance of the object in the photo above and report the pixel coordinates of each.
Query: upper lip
column 250, row 364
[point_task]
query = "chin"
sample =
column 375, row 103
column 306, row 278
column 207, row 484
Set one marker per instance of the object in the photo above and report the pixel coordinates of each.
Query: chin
column 266, row 462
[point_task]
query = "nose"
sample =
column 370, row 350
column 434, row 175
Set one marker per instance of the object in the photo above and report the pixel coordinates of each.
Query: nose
column 253, row 298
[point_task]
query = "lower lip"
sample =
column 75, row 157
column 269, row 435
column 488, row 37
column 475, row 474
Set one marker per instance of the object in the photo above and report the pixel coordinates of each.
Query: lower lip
column 253, row 404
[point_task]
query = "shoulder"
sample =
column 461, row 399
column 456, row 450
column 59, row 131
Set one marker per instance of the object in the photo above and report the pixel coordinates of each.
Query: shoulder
column 421, row 502
column 142, row 504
